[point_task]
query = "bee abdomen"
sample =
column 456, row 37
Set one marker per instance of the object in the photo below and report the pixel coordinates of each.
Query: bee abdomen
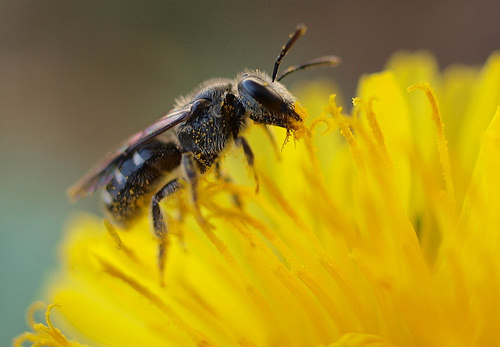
column 137, row 178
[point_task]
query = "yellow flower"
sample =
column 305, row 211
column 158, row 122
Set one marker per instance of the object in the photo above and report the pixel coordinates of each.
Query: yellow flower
column 378, row 228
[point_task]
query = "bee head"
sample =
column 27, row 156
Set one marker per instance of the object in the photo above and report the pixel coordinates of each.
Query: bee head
column 268, row 102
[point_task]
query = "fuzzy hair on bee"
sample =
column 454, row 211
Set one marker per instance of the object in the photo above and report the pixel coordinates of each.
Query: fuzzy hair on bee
column 189, row 140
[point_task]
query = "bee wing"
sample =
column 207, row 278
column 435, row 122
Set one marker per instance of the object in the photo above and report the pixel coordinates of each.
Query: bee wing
column 102, row 173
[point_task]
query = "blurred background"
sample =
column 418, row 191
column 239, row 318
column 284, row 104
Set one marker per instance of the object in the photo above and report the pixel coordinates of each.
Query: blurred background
column 77, row 77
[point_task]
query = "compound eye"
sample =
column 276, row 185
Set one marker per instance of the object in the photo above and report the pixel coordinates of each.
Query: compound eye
column 262, row 93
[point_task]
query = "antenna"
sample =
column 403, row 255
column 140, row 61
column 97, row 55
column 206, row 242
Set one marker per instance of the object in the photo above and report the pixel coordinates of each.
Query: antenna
column 301, row 30
column 330, row 60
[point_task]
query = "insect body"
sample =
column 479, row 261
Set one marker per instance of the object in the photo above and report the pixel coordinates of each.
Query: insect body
column 189, row 140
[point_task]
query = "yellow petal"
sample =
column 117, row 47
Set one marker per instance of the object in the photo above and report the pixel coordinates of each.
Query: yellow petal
column 391, row 110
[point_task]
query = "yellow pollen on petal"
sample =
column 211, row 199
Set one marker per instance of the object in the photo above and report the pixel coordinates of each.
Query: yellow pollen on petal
column 374, row 126
column 344, row 128
column 441, row 138
column 43, row 335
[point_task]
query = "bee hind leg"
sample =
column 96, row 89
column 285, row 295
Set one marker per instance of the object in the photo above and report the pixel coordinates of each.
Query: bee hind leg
column 159, row 224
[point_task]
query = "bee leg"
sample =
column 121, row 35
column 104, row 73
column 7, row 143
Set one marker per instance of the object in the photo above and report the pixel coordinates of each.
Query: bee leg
column 191, row 174
column 159, row 225
column 242, row 142
column 226, row 178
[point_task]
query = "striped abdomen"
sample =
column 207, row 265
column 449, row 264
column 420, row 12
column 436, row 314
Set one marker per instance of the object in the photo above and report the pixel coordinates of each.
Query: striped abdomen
column 138, row 177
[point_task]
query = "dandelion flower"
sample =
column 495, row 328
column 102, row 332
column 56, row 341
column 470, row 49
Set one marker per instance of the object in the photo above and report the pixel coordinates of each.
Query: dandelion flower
column 378, row 228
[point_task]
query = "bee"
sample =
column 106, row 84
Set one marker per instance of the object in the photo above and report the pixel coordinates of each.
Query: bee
column 190, row 139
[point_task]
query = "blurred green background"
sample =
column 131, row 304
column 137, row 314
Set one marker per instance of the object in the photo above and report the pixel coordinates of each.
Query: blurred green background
column 77, row 77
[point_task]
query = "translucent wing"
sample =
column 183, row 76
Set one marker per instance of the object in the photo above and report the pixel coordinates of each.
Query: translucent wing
column 102, row 173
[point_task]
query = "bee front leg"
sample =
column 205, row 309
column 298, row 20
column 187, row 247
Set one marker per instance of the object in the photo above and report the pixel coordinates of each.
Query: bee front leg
column 159, row 224
column 242, row 142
